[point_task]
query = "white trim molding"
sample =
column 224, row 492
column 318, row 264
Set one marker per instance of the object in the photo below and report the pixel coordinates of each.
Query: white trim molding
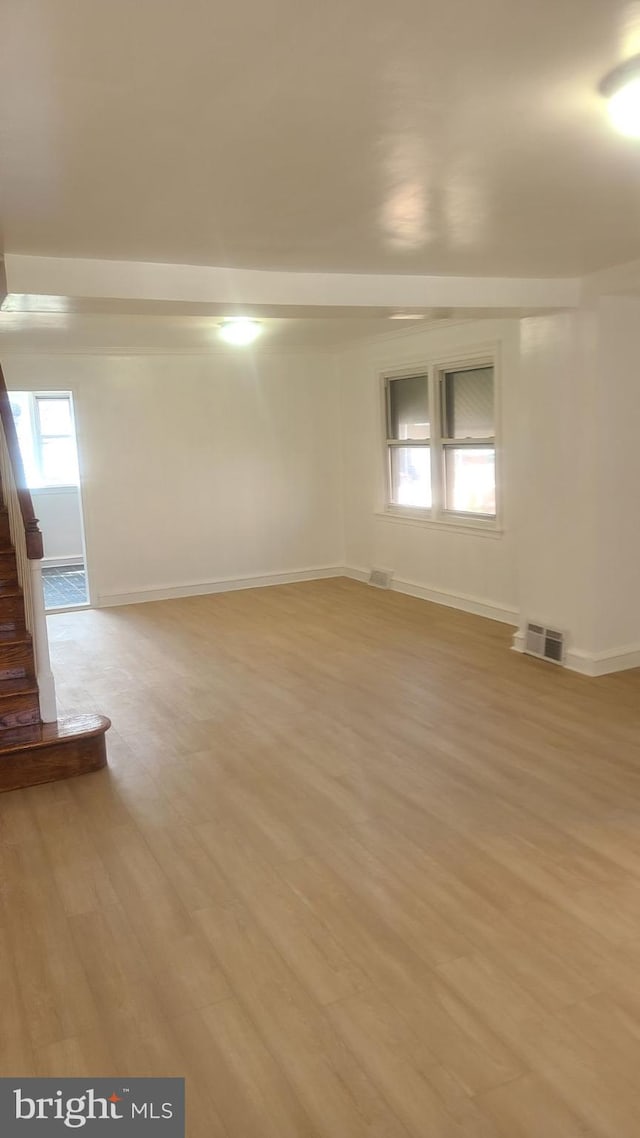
column 478, row 606
column 604, row 663
column 67, row 559
column 594, row 664
column 455, row 525
column 475, row 605
column 222, row 585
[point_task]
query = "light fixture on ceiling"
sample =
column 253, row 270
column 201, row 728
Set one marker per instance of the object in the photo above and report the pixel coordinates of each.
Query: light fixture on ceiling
column 239, row 330
column 621, row 87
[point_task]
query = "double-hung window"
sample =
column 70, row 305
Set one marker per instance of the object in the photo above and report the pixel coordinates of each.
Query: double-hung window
column 45, row 428
column 441, row 446
column 409, row 440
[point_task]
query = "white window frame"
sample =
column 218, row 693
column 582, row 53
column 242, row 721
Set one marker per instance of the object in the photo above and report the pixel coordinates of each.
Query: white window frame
column 437, row 515
column 38, row 435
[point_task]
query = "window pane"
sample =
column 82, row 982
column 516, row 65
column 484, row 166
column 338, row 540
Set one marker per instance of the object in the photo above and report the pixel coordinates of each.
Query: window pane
column 468, row 404
column 471, row 479
column 55, row 416
column 409, row 408
column 411, row 476
column 21, row 409
column 59, row 463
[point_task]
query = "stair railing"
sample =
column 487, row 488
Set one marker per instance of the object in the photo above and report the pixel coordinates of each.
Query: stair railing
column 27, row 542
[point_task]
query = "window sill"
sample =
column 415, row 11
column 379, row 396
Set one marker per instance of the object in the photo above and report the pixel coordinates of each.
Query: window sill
column 453, row 525
column 65, row 488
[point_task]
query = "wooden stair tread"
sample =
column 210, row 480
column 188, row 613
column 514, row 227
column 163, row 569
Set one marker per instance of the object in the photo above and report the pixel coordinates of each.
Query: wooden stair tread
column 47, row 752
column 43, row 735
column 14, row 636
column 23, row 686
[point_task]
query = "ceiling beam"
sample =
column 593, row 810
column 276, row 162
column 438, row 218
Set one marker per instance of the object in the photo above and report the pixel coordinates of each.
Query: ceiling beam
column 136, row 280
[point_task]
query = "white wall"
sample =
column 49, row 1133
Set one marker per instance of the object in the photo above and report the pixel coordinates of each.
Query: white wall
column 474, row 570
column 58, row 511
column 580, row 548
column 559, row 460
column 618, row 488
column 198, row 469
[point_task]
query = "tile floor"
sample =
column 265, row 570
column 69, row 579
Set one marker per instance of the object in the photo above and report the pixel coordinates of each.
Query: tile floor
column 64, row 586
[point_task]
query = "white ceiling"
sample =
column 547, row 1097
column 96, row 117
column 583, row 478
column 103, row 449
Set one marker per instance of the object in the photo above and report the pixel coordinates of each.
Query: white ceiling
column 462, row 137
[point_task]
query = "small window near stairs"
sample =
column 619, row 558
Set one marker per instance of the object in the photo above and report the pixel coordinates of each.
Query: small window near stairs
column 44, row 422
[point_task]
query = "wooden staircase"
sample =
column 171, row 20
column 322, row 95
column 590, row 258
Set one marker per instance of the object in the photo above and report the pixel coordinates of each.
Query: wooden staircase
column 30, row 751
column 19, row 703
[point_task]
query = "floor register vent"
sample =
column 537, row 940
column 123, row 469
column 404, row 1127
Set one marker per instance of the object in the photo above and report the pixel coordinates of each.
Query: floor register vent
column 545, row 643
column 381, row 578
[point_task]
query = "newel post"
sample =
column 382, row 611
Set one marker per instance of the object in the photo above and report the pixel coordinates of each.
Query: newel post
column 46, row 682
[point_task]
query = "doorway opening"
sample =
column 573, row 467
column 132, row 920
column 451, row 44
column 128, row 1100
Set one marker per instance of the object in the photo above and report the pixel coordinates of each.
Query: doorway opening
column 46, row 432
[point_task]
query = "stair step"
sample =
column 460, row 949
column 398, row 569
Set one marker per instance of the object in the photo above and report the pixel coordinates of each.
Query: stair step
column 23, row 711
column 9, row 588
column 18, row 635
column 19, row 703
column 11, row 608
column 24, row 685
column 50, row 751
column 16, row 655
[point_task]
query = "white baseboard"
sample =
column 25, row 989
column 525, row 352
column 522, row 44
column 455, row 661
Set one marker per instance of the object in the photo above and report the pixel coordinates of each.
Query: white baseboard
column 604, row 663
column 356, row 574
column 476, row 605
column 594, row 663
column 70, row 559
column 436, row 596
column 224, row 585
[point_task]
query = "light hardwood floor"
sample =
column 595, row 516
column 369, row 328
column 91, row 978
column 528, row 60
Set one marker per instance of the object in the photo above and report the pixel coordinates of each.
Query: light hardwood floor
column 354, row 869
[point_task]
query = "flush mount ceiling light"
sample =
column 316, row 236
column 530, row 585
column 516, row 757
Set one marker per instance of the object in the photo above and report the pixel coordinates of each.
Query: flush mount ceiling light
column 621, row 87
column 239, row 330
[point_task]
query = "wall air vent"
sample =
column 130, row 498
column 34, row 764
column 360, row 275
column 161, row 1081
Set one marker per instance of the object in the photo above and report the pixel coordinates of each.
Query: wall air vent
column 381, row 578
column 545, row 643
